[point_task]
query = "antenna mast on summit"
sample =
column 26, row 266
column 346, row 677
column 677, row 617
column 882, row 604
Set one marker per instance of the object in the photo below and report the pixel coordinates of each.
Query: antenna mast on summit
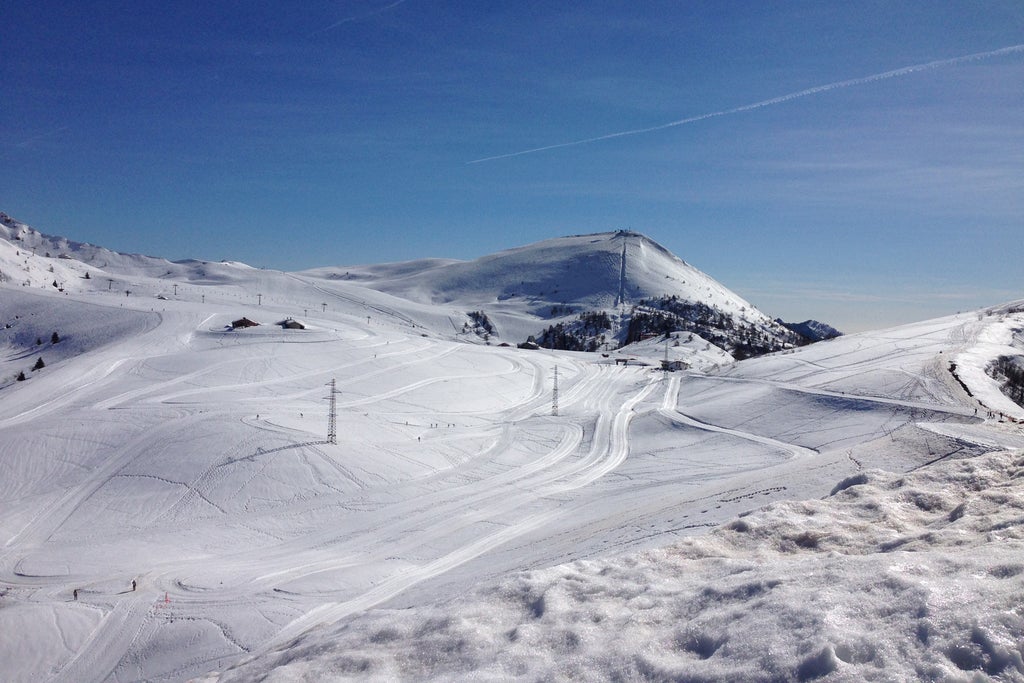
column 554, row 395
column 332, row 420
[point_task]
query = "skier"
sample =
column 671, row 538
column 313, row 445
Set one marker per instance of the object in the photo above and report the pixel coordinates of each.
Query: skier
column 75, row 593
column 133, row 584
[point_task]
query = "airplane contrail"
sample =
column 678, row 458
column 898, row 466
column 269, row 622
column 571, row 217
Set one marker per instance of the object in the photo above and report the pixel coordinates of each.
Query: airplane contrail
column 359, row 17
column 767, row 103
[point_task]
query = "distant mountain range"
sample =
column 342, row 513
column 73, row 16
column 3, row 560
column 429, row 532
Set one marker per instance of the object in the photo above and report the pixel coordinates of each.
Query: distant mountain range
column 595, row 292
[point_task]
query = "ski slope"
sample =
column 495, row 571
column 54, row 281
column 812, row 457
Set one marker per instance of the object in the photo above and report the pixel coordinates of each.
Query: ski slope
column 162, row 447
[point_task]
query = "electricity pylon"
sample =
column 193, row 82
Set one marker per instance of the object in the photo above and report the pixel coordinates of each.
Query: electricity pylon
column 332, row 420
column 554, row 395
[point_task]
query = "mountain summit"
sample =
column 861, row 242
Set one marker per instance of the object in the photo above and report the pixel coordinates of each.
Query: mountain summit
column 601, row 271
column 583, row 292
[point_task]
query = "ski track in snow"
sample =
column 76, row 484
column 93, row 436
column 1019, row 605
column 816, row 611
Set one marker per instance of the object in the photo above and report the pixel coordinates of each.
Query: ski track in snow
column 449, row 463
column 607, row 452
column 120, row 628
column 668, row 409
column 591, row 392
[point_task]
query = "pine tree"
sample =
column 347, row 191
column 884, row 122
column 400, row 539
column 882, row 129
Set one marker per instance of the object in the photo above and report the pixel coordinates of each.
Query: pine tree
column 39, row 364
column 21, row 376
column 55, row 338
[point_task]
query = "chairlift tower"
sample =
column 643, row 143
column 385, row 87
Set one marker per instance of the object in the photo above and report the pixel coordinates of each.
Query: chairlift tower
column 332, row 419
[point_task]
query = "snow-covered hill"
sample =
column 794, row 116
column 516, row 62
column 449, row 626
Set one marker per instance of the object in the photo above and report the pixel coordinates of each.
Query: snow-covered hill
column 32, row 259
column 598, row 291
column 171, row 504
column 586, row 292
column 599, row 271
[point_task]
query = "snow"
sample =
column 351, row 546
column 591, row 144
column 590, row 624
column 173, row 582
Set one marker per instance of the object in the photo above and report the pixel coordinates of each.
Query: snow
column 845, row 511
column 996, row 340
column 892, row 577
column 518, row 288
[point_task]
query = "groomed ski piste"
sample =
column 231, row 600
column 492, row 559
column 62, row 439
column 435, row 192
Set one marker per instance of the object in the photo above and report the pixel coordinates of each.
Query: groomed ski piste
column 171, row 507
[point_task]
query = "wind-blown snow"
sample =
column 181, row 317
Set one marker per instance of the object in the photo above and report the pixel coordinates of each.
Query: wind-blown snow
column 458, row 528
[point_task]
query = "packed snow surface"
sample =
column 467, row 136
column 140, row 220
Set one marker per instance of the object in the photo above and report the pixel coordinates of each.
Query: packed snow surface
column 893, row 577
column 171, row 506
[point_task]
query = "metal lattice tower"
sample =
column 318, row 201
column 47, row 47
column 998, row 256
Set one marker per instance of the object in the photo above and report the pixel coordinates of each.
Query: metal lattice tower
column 332, row 420
column 554, row 395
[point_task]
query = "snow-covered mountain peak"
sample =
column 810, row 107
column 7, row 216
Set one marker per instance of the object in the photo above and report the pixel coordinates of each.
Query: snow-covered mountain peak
column 598, row 282
column 590, row 271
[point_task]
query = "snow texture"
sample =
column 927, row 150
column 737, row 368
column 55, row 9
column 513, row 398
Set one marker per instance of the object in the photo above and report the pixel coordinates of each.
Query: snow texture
column 171, row 507
column 892, row 577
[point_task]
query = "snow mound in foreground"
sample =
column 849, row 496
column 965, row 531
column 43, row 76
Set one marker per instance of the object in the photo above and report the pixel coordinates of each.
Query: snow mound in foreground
column 893, row 577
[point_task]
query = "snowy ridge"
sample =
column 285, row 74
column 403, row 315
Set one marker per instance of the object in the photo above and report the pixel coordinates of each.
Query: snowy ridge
column 588, row 271
column 1002, row 338
column 33, row 259
column 33, row 243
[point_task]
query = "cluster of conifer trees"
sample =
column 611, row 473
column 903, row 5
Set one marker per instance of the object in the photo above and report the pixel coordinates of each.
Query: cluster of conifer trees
column 1010, row 369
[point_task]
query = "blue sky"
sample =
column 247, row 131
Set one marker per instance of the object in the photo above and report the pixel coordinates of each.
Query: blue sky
column 294, row 135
